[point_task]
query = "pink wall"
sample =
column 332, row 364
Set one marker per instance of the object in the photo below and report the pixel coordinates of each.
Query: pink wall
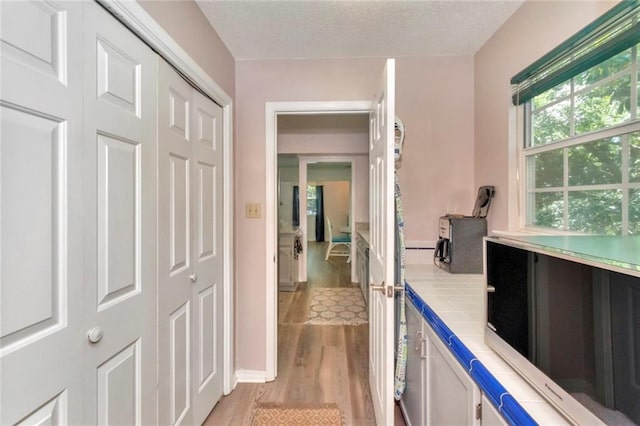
column 319, row 143
column 434, row 99
column 187, row 25
column 318, row 134
column 534, row 29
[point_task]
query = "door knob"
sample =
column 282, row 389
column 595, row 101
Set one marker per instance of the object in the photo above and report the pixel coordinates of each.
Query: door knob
column 95, row 334
column 193, row 277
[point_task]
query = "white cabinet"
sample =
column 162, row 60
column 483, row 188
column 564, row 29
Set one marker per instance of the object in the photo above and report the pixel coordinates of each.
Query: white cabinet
column 451, row 394
column 439, row 391
column 414, row 397
column 288, row 261
column 490, row 415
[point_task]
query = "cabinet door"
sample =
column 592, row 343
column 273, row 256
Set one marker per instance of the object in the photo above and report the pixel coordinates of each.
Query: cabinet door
column 414, row 394
column 491, row 416
column 451, row 394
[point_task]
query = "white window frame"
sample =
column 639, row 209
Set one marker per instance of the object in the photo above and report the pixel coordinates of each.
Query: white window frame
column 522, row 137
column 314, row 199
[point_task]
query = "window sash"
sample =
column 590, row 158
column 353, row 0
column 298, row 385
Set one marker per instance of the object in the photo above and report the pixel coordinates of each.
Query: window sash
column 625, row 186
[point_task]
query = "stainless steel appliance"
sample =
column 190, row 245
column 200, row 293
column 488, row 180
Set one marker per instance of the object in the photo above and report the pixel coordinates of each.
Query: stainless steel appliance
column 459, row 246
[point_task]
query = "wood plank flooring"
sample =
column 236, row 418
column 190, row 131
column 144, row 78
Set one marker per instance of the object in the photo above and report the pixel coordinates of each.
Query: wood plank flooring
column 316, row 363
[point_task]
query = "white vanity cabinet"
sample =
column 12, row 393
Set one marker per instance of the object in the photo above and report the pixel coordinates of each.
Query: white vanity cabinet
column 413, row 400
column 287, row 261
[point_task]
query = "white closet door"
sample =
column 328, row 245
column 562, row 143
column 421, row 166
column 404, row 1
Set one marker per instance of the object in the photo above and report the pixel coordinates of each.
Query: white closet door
column 189, row 251
column 174, row 249
column 206, row 178
column 120, row 223
column 40, row 210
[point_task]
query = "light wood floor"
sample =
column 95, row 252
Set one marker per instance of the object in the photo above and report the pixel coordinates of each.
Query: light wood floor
column 316, row 363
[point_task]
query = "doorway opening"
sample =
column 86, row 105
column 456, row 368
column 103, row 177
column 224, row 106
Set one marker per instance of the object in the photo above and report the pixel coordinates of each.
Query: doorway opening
column 322, row 195
column 277, row 114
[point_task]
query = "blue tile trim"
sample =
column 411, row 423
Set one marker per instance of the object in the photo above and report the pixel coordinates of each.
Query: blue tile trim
column 504, row 402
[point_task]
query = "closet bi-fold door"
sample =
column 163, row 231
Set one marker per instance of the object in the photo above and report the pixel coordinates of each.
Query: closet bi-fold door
column 120, row 155
column 40, row 213
column 78, row 222
column 189, row 251
column 207, row 289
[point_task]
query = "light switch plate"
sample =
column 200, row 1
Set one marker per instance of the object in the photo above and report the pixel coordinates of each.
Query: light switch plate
column 253, row 210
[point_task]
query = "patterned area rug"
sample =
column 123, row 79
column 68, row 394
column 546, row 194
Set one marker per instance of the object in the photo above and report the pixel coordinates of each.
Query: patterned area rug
column 337, row 306
column 269, row 414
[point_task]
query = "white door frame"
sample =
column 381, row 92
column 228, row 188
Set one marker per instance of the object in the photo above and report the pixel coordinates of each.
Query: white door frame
column 272, row 110
column 144, row 26
column 304, row 161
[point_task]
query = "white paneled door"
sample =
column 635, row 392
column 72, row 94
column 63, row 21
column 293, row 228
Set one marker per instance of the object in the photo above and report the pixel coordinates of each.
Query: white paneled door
column 174, row 246
column 381, row 249
column 120, row 222
column 78, row 222
column 207, row 288
column 41, row 210
column 190, row 251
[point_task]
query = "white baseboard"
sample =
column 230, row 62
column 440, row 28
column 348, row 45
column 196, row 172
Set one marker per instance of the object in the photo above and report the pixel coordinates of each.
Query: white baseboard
column 251, row 376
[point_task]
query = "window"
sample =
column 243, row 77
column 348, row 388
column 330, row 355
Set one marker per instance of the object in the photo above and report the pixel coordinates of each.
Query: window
column 312, row 203
column 582, row 144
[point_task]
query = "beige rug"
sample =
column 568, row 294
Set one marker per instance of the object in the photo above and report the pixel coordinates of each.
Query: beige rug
column 272, row 414
column 337, row 306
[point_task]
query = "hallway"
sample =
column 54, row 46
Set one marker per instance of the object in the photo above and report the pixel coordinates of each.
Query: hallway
column 316, row 363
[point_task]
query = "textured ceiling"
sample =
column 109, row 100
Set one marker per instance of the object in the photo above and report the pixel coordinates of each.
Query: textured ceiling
column 303, row 29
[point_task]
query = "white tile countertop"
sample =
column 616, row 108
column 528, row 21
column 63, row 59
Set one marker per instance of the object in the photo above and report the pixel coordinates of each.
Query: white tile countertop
column 362, row 229
column 459, row 300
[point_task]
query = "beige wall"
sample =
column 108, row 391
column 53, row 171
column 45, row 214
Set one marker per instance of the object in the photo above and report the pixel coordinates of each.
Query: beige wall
column 434, row 98
column 336, row 204
column 534, row 29
column 187, row 25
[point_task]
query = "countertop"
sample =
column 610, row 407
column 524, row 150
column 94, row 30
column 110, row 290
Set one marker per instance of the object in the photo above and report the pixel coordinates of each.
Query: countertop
column 616, row 253
column 455, row 304
column 362, row 229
